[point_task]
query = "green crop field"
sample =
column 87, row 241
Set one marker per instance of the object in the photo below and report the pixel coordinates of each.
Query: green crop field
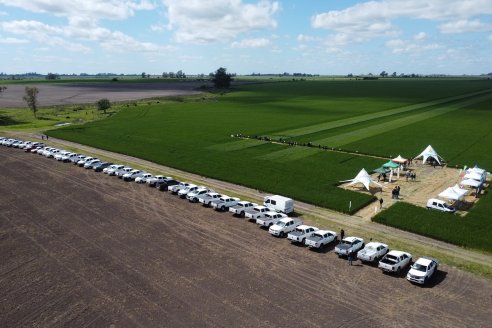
column 472, row 231
column 381, row 117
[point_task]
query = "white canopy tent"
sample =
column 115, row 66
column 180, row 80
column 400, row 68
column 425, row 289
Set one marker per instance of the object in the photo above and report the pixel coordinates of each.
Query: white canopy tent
column 399, row 160
column 474, row 176
column 364, row 178
column 475, row 170
column 453, row 193
column 459, row 190
column 450, row 194
column 470, row 183
column 429, row 152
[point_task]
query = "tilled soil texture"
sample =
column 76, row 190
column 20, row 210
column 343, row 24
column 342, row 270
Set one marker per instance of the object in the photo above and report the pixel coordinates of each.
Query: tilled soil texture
column 89, row 93
column 80, row 248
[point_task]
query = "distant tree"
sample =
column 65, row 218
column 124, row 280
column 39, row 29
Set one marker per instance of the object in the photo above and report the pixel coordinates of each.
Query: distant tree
column 350, row 75
column 52, row 76
column 165, row 75
column 103, row 104
column 383, row 74
column 144, row 75
column 393, row 75
column 31, row 98
column 221, row 78
column 180, row 74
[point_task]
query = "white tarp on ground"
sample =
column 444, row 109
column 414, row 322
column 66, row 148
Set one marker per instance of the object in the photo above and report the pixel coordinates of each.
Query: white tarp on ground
column 450, row 194
column 399, row 160
column 470, row 183
column 429, row 152
column 364, row 178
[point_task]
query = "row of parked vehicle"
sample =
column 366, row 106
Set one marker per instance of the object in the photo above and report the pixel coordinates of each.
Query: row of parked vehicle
column 272, row 215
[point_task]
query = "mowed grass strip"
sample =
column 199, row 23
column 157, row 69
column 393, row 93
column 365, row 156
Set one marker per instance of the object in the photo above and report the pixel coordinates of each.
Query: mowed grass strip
column 352, row 136
column 236, row 145
column 290, row 153
column 362, row 118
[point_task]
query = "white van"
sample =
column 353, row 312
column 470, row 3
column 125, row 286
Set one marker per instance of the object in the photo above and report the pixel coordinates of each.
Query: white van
column 440, row 205
column 279, row 203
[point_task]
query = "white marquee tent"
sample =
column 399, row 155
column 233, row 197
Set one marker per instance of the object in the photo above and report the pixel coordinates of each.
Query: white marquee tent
column 474, row 176
column 364, row 178
column 399, row 160
column 470, row 183
column 454, row 193
column 429, row 152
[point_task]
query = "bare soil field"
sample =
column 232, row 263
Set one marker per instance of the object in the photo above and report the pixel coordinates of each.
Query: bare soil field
column 85, row 93
column 80, row 248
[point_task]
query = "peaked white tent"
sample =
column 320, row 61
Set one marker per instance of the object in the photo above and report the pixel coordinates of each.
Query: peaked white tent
column 470, row 183
column 364, row 178
column 399, row 160
column 429, row 152
column 459, row 191
column 450, row 194
column 474, row 176
column 475, row 170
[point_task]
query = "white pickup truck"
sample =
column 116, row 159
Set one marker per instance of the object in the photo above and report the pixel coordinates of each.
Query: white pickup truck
column 224, row 202
column 284, row 226
column 320, row 238
column 395, row 261
column 422, row 270
column 241, row 208
column 257, row 212
column 270, row 219
column 208, row 198
column 349, row 245
column 373, row 252
column 300, row 233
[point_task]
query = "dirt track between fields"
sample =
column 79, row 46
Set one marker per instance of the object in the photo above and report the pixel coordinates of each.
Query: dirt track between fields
column 80, row 248
column 89, row 93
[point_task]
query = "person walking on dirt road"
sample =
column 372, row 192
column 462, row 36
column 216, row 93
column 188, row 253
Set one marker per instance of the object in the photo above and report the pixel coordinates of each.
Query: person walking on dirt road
column 381, row 203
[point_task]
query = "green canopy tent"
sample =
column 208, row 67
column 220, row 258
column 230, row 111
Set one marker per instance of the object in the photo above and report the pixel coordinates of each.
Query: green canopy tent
column 391, row 165
column 381, row 170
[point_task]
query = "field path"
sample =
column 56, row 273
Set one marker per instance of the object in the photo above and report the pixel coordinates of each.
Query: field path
column 318, row 214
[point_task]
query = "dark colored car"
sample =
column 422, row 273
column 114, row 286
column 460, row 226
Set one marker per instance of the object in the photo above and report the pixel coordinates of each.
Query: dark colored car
column 102, row 166
column 167, row 183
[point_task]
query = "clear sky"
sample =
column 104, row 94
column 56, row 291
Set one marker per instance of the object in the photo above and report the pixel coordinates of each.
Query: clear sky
column 246, row 36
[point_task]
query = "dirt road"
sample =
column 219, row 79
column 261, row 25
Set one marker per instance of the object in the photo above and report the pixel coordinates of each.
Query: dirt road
column 80, row 248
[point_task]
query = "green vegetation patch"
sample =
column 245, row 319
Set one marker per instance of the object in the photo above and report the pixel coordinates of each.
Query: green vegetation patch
column 472, row 231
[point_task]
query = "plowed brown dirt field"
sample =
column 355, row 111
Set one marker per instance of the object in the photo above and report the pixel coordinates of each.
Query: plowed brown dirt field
column 79, row 248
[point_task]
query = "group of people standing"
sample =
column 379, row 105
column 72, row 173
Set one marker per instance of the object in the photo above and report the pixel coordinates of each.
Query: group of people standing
column 395, row 193
column 411, row 175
